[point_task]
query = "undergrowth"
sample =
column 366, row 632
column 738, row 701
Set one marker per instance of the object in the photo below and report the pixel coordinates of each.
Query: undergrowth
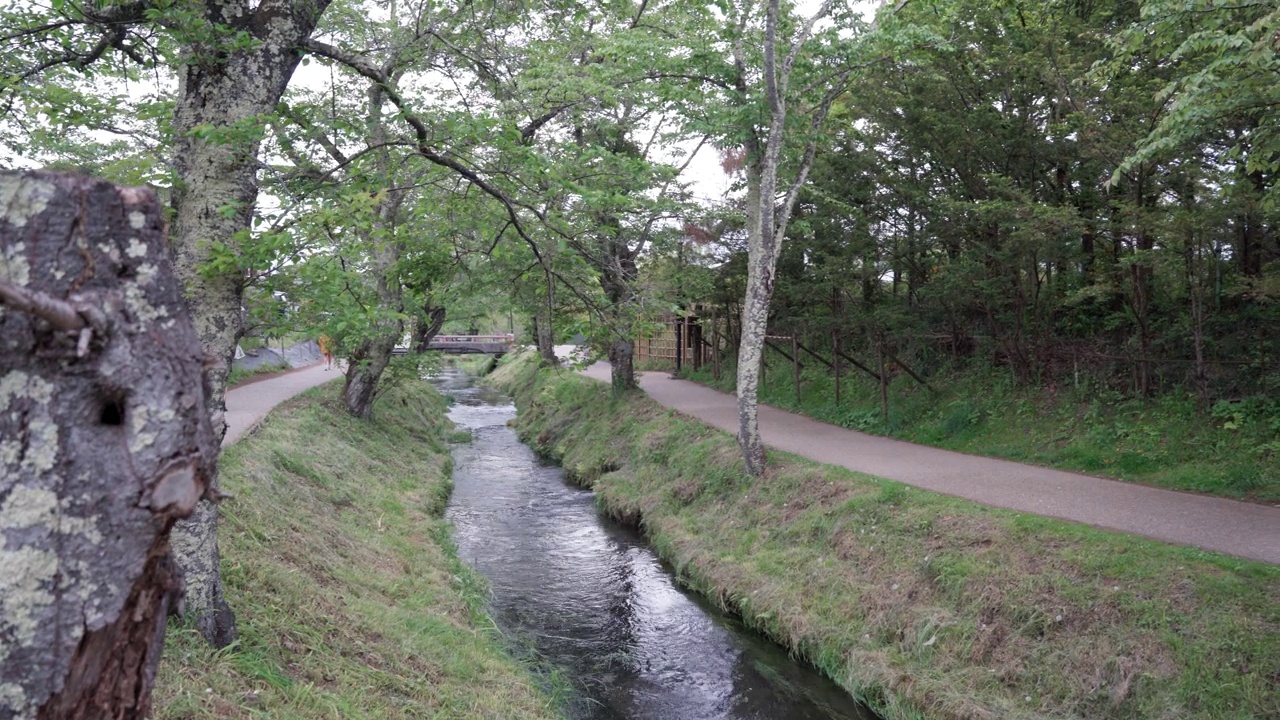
column 920, row 604
column 1230, row 449
column 350, row 600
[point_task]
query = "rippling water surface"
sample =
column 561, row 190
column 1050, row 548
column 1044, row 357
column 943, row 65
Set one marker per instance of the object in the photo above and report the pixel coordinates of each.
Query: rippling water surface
column 594, row 601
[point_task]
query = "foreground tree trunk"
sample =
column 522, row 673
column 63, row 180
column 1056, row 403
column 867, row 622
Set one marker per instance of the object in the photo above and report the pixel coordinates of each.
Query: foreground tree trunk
column 226, row 92
column 105, row 440
column 762, row 260
column 364, row 373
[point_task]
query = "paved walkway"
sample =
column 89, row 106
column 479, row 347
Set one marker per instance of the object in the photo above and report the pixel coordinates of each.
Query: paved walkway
column 1226, row 526
column 249, row 403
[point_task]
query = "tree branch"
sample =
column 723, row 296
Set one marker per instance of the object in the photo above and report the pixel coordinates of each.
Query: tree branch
column 59, row 313
column 423, row 146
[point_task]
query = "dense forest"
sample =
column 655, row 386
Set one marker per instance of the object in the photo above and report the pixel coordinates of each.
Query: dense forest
column 1066, row 189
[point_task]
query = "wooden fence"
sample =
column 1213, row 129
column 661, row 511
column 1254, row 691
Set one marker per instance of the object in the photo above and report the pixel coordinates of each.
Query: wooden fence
column 683, row 342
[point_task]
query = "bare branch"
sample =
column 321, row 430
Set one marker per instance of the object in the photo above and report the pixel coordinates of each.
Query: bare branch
column 59, row 313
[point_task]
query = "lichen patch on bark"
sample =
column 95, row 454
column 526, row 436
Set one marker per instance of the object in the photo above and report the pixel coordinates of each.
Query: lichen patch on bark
column 103, row 445
column 30, row 572
column 22, row 198
column 14, row 267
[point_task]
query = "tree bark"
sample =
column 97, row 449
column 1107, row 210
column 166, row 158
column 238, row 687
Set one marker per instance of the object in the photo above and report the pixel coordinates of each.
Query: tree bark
column 427, row 327
column 617, row 279
column 767, row 218
column 374, row 354
column 223, row 92
column 755, row 315
column 544, row 333
column 105, row 440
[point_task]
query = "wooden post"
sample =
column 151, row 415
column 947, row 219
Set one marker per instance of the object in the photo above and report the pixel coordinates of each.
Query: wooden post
column 715, row 345
column 884, row 381
column 795, row 365
column 679, row 343
column 111, row 443
column 835, row 360
column 695, row 343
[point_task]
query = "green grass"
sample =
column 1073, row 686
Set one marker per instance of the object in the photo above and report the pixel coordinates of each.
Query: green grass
column 1232, row 449
column 478, row 365
column 350, row 599
column 922, row 604
column 239, row 375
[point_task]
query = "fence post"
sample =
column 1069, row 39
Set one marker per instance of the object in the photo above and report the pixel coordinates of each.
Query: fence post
column 795, row 364
column 679, row 344
column 835, row 360
column 884, row 381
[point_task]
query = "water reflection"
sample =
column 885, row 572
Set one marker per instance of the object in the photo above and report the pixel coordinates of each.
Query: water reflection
column 594, row 600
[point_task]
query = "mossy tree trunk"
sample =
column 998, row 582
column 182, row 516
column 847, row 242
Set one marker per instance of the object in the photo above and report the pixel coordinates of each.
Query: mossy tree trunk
column 105, row 441
column 222, row 97
column 373, row 355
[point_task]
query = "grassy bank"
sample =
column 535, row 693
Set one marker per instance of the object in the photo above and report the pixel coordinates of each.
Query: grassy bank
column 478, row 365
column 1231, row 449
column 921, row 604
column 350, row 600
column 240, row 376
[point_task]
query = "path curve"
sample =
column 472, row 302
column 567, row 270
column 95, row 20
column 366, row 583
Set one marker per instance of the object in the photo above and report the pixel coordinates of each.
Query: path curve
column 1231, row 527
column 247, row 404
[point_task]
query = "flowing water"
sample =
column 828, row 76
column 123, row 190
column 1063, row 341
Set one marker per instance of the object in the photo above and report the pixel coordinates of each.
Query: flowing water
column 595, row 603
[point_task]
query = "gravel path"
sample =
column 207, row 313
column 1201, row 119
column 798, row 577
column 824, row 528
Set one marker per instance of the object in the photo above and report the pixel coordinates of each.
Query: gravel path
column 1227, row 526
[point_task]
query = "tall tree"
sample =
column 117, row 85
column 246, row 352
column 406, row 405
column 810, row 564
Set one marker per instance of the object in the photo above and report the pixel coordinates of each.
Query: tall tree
column 780, row 131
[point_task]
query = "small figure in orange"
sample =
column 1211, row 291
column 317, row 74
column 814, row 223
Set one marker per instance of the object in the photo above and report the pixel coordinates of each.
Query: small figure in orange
column 326, row 349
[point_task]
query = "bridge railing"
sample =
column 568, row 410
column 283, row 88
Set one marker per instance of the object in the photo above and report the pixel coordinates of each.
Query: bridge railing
column 507, row 338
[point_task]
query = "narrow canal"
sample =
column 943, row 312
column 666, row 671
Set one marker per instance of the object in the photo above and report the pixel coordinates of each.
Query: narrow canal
column 594, row 602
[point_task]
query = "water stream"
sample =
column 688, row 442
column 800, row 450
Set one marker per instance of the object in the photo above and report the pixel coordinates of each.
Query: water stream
column 593, row 601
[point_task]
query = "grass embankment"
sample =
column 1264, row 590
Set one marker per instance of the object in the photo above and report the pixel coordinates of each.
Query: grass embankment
column 919, row 603
column 350, row 600
column 478, row 365
column 1232, row 450
column 240, row 376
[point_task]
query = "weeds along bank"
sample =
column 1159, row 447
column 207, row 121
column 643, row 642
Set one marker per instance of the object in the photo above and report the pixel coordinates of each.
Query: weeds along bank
column 922, row 604
column 350, row 600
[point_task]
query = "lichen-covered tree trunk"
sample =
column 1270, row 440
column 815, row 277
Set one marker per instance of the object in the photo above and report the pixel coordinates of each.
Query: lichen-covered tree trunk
column 767, row 218
column 374, row 354
column 370, row 360
column 105, row 440
column 365, row 372
column 617, row 278
column 762, row 259
column 543, row 327
column 223, row 96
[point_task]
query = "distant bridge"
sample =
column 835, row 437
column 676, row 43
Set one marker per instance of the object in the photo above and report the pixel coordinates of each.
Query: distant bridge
column 497, row 345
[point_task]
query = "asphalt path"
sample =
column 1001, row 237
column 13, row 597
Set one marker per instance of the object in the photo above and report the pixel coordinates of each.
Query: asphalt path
column 1231, row 527
column 248, row 403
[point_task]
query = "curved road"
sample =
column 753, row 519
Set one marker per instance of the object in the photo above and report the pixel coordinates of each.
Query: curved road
column 1227, row 526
